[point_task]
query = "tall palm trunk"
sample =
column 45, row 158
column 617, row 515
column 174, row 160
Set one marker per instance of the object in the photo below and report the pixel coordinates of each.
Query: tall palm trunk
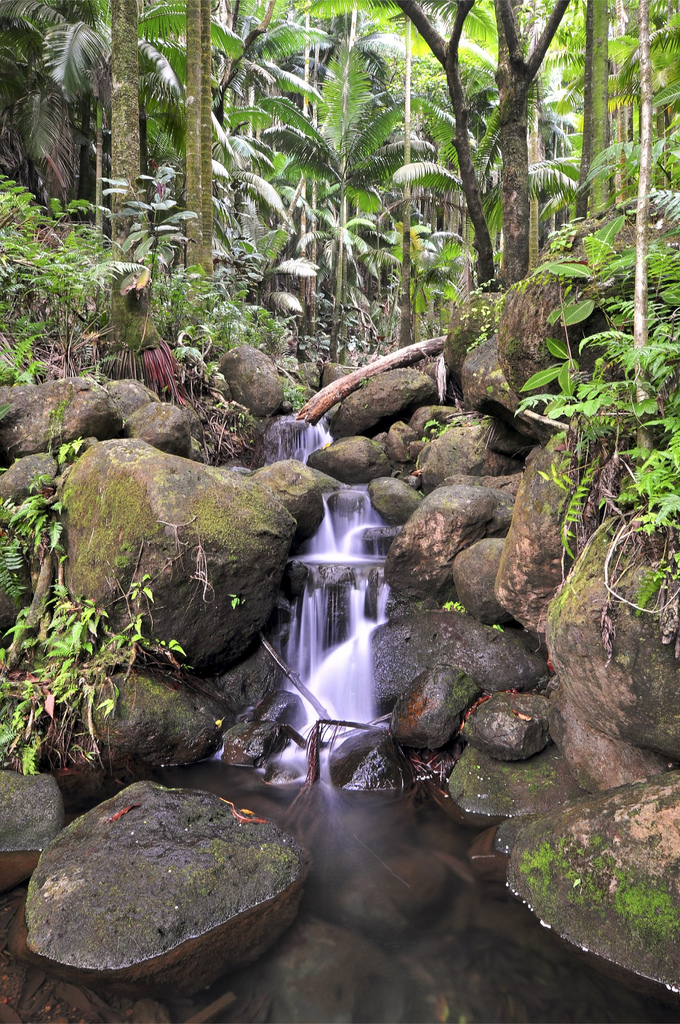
column 206, row 140
column 640, row 335
column 192, row 106
column 595, row 107
column 99, row 184
column 405, row 314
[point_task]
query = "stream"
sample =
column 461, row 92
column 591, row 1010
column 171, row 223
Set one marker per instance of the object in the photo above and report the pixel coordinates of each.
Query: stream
column 393, row 925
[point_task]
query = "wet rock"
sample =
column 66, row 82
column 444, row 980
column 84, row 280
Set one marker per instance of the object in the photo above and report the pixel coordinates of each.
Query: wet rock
column 282, row 707
column 484, row 384
column 298, row 491
column 462, row 449
column 250, row 743
column 155, row 721
column 347, row 503
column 368, row 760
column 509, row 726
column 426, row 420
column 163, row 426
column 388, row 395
column 414, row 481
column 474, row 576
column 327, row 484
column 487, row 790
column 376, row 580
column 172, row 892
column 44, row 416
column 253, row 380
column 332, row 372
column 420, row 561
column 277, row 774
column 604, row 874
column 634, row 696
column 353, row 460
column 148, row 1011
column 394, row 500
column 321, row 972
column 471, row 324
column 310, row 375
column 397, row 443
column 294, row 578
column 404, row 648
column 378, row 539
column 130, row 509
column 508, row 484
column 338, row 582
column 530, row 569
column 130, row 395
column 247, row 682
column 595, row 760
column 26, row 476
column 31, row 815
column 430, row 711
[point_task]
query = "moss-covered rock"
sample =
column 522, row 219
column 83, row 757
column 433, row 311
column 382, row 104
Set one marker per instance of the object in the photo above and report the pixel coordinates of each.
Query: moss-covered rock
column 398, row 443
column 604, row 874
column 31, row 815
column 430, row 711
column 298, row 490
column 253, row 380
column 484, row 386
column 486, row 790
column 156, row 722
column 402, row 649
column 163, row 426
column 352, row 460
column 388, row 396
column 24, row 475
column 474, row 576
column 633, row 696
column 130, row 395
column 43, row 416
column 213, row 543
column 530, row 569
column 161, row 887
column 472, row 324
column 393, row 499
column 462, row 449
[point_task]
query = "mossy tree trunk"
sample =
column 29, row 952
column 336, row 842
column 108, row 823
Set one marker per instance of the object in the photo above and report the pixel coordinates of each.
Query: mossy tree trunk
column 640, row 331
column 595, row 107
column 206, row 140
column 405, row 311
column 132, row 327
column 192, row 106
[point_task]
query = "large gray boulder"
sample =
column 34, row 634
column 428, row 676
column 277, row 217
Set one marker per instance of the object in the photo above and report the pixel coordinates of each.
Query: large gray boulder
column 402, row 649
column 26, row 476
column 485, row 388
column 509, row 726
column 253, row 380
column 369, row 760
column 462, row 449
column 163, row 426
column 604, row 874
column 472, row 324
column 246, row 682
column 393, row 499
column 43, row 416
column 420, row 561
column 391, row 395
column 474, row 575
column 214, row 544
column 31, row 815
column 160, row 888
column 298, row 490
column 352, row 460
column 130, row 395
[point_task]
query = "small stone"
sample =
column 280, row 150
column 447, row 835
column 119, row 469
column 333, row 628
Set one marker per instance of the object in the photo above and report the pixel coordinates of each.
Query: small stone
column 369, row 760
column 429, row 713
column 509, row 726
column 250, row 743
column 283, row 708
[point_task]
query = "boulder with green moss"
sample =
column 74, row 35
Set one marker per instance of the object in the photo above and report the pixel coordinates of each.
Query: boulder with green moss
column 393, row 499
column 462, row 449
column 212, row 544
column 31, row 815
column 298, row 490
column 156, row 721
column 163, row 426
column 352, row 460
column 130, row 395
column 633, row 694
column 430, row 711
column 26, row 476
column 253, row 380
column 42, row 417
column 381, row 400
column 604, row 874
column 474, row 575
column 484, row 386
column 531, row 565
column 471, row 324
column 160, row 888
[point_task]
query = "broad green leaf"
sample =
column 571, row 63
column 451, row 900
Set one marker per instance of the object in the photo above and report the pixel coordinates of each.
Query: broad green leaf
column 543, row 377
column 557, row 348
column 564, row 380
column 671, row 296
column 576, row 312
column 609, row 232
column 565, row 269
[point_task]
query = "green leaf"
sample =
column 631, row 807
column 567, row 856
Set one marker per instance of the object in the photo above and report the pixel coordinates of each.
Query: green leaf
column 564, row 269
column 609, row 232
column 557, row 348
column 576, row 312
column 540, row 379
column 671, row 296
column 564, row 380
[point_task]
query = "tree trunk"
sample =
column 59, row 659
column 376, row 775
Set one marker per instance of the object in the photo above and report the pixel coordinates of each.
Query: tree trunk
column 595, row 108
column 640, row 336
column 206, row 140
column 99, row 185
column 534, row 156
column 84, row 162
column 405, row 312
column 192, row 105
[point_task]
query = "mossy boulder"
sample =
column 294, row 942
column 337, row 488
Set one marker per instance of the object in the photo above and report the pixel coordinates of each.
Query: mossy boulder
column 398, row 443
column 163, row 426
column 530, row 569
column 160, row 888
column 369, row 760
column 382, row 399
column 43, row 416
column 23, row 476
column 509, row 483
column 31, row 815
column 483, row 383
column 246, row 682
column 130, row 395
column 420, row 561
column 604, row 874
column 249, row 744
column 404, row 648
column 206, row 538
column 471, row 324
column 634, row 695
column 156, row 721
column 428, row 418
column 462, row 449
column 509, row 726
column 298, row 490
column 595, row 760
column 474, row 576
column 486, row 790
column 253, row 380
column 352, row 460
column 333, row 371
column 430, row 711
column 393, row 499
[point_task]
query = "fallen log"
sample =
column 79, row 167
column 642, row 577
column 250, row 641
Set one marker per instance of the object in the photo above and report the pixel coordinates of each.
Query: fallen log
column 323, row 400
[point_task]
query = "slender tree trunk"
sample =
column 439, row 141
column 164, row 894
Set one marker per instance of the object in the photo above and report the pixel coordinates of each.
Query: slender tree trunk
column 622, row 114
column 206, row 140
column 192, row 106
column 406, row 314
column 99, row 185
column 640, row 335
column 595, row 107
column 534, row 155
column 143, row 143
column 84, row 161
